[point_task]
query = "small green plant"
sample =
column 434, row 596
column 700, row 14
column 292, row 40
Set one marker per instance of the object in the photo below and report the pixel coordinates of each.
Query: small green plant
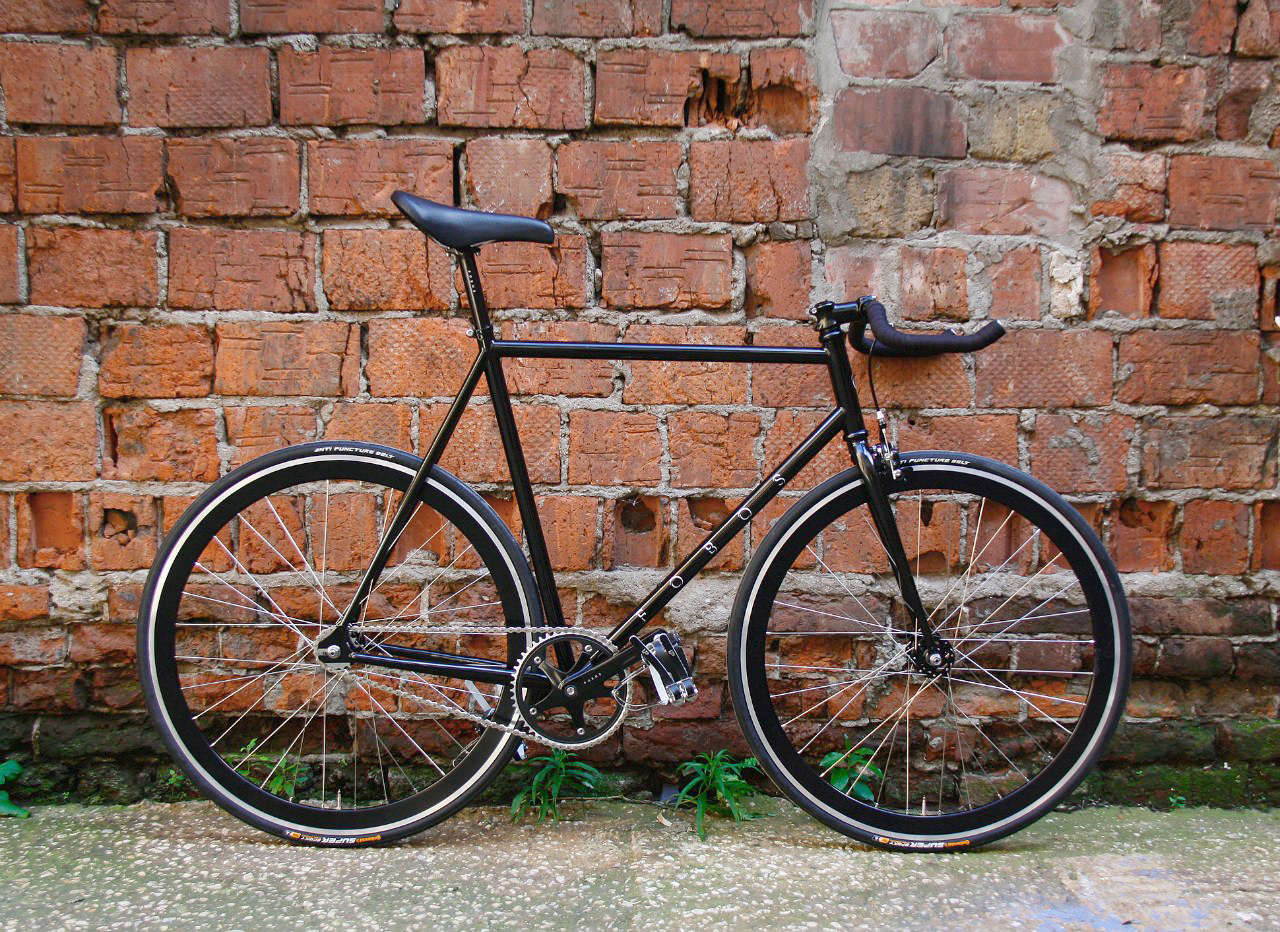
column 553, row 777
column 850, row 771
column 8, row 770
column 717, row 786
column 1177, row 802
column 285, row 775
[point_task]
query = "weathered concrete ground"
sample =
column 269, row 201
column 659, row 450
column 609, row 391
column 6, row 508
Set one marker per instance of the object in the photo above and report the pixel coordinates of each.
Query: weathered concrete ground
column 617, row 866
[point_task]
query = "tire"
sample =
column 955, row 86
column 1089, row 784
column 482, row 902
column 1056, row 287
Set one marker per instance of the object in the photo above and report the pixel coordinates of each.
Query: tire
column 841, row 720
column 251, row 575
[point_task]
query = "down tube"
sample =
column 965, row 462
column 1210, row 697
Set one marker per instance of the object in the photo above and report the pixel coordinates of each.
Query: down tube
column 728, row 529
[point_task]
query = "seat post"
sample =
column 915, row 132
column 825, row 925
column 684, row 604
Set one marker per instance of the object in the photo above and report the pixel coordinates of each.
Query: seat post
column 475, row 297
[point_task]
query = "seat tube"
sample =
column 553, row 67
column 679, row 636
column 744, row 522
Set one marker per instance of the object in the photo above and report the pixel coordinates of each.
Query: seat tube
column 505, row 417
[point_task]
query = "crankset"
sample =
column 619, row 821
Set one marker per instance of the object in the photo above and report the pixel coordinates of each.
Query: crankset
column 557, row 698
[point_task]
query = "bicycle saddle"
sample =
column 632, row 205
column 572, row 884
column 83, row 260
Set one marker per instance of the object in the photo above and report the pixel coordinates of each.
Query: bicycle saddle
column 456, row 228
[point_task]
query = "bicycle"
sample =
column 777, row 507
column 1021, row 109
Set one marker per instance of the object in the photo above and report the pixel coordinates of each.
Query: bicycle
column 343, row 644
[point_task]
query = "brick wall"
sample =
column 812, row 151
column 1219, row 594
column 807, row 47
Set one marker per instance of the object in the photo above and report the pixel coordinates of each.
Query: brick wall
column 199, row 262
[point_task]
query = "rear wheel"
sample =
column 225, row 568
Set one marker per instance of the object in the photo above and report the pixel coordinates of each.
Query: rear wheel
column 1014, row 580
column 246, row 583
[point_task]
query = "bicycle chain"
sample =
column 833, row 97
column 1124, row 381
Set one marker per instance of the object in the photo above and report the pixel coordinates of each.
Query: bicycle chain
column 484, row 720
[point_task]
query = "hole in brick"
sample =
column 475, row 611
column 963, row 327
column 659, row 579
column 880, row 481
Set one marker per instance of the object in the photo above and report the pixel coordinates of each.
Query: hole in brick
column 1132, row 514
column 118, row 526
column 636, row 516
column 782, row 108
column 53, row 527
column 110, row 438
column 707, row 512
column 1123, row 280
column 560, row 204
column 926, row 513
column 715, row 101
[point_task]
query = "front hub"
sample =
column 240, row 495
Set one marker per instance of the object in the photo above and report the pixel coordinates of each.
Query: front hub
column 932, row 657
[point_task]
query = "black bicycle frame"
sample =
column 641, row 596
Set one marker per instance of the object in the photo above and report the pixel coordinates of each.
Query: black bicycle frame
column 846, row 418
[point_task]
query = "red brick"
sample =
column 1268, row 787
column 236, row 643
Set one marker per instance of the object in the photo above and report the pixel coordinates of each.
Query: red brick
column 45, row 16
column 227, row 270
column 143, row 443
column 1139, row 187
column 1142, row 536
column 510, row 176
column 686, row 382
column 50, row 530
column 475, row 452
column 735, row 18
column 314, row 16
column 1258, row 32
column 636, row 533
column 1266, row 544
column 89, row 174
column 223, row 86
column 356, row 177
column 1215, row 537
column 372, row 423
column 258, row 430
column 620, row 180
column 1247, row 82
column 5, row 502
column 8, row 264
column 156, row 361
column 1153, row 103
column 677, row 271
column 385, row 270
column 59, row 441
column 287, row 358
column 506, row 86
column 43, row 645
column 880, row 44
column 1211, row 27
column 574, row 377
column 697, row 517
column 1016, row 284
column 1208, row 281
column 597, row 18
column 1001, row 47
column 1184, row 367
column 1224, row 452
column 1082, row 453
column 40, row 355
column 915, row 383
column 53, row 690
column 76, row 267
column 109, row 644
column 789, row 386
column 1220, row 193
column 569, row 526
column 535, row 276
column 460, row 17
column 710, row 450
column 425, row 357
column 69, row 84
column 23, row 603
column 8, row 175
column 749, row 180
column 165, row 17
column 900, row 121
column 1122, row 281
column 779, row 278
column 1080, row 361
column 993, row 435
column 788, row 430
column 614, row 448
column 123, row 530
column 343, row 86
column 655, row 87
column 241, row 177
column 934, row 284
column 784, row 95
column 1003, row 200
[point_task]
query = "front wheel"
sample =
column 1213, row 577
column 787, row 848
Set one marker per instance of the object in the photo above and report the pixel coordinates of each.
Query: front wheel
column 1012, row 578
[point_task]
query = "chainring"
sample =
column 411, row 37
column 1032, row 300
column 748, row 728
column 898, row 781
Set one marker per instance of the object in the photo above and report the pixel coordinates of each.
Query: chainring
column 548, row 711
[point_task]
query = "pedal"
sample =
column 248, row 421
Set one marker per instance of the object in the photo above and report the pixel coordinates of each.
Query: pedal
column 672, row 678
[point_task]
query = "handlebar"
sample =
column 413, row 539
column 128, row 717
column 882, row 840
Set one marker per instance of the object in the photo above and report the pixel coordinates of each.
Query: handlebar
column 889, row 341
